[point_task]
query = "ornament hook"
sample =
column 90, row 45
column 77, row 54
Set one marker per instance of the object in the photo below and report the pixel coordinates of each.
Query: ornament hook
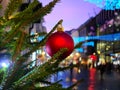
column 60, row 27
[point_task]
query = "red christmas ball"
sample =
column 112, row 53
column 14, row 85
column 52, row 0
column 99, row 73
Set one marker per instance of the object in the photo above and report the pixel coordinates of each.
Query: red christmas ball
column 57, row 41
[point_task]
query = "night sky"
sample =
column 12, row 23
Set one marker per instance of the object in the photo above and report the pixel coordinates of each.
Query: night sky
column 73, row 12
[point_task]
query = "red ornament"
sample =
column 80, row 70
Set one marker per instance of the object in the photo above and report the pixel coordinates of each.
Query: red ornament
column 57, row 41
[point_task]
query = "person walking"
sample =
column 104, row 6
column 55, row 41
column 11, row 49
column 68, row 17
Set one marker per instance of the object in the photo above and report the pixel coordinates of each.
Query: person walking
column 102, row 68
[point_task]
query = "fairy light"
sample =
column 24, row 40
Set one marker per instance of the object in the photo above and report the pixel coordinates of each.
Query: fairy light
column 106, row 4
column 4, row 65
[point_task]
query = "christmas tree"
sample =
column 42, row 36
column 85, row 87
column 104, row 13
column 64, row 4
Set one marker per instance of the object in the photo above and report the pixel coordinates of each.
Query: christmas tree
column 15, row 38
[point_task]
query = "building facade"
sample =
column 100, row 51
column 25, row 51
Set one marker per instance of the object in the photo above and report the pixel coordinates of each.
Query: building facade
column 108, row 31
column 87, row 32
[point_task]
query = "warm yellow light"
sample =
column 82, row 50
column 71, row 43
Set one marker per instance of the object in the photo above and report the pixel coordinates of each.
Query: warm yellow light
column 98, row 52
column 77, row 54
column 107, row 48
column 43, row 53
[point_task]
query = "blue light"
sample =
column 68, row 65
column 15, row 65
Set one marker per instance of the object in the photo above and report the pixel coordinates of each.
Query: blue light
column 88, row 44
column 106, row 4
column 5, row 60
column 40, row 38
column 110, row 37
column 80, row 50
column 4, row 65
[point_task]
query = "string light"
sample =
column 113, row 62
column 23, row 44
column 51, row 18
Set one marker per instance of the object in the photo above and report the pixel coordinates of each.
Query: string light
column 106, row 4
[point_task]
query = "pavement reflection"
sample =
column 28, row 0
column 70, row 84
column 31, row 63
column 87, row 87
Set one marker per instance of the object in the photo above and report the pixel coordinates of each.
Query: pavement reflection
column 91, row 78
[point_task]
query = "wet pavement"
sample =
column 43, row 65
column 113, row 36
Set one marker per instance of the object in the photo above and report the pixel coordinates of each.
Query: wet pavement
column 92, row 80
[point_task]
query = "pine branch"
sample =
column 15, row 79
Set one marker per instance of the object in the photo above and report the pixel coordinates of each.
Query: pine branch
column 20, row 76
column 22, row 19
column 18, row 46
column 44, row 11
column 52, row 87
column 12, row 8
column 38, row 34
column 78, row 82
column 42, row 42
column 12, row 33
column 23, row 58
column 78, row 45
column 32, row 17
column 40, row 71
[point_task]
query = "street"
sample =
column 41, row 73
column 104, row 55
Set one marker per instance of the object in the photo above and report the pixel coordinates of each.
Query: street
column 92, row 80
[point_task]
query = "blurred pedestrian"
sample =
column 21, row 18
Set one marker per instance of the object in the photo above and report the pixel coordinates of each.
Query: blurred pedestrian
column 109, row 67
column 102, row 68
column 71, row 70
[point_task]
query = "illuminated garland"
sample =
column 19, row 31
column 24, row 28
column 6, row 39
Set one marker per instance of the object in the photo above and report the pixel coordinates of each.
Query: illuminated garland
column 106, row 4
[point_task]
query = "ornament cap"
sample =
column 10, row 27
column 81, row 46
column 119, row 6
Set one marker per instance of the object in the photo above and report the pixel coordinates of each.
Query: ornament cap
column 60, row 28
